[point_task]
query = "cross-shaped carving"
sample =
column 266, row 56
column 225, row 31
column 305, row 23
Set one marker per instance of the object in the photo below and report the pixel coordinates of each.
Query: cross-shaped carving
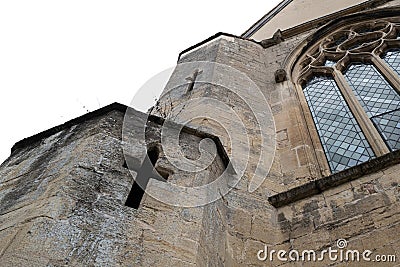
column 193, row 80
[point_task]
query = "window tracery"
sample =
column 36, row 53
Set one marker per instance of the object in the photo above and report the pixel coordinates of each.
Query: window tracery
column 350, row 81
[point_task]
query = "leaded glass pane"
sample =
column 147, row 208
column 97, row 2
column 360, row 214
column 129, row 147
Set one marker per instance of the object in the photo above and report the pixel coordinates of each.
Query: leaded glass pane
column 343, row 141
column 392, row 58
column 372, row 90
column 389, row 126
column 329, row 63
column 377, row 97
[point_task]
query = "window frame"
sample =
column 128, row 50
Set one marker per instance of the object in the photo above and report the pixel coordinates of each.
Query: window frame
column 383, row 37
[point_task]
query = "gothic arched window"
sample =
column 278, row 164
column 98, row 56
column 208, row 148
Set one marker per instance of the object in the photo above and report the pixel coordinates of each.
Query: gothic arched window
column 351, row 85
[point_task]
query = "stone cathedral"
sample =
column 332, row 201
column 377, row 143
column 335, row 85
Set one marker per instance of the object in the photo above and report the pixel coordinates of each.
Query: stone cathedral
column 279, row 147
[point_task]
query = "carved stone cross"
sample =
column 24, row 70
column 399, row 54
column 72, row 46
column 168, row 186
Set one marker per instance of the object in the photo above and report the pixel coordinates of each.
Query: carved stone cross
column 193, row 80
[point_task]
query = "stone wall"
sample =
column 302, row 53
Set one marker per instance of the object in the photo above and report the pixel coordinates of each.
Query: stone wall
column 358, row 209
column 63, row 194
column 63, row 201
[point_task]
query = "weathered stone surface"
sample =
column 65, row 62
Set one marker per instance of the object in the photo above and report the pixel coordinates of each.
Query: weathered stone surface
column 63, row 203
column 63, row 192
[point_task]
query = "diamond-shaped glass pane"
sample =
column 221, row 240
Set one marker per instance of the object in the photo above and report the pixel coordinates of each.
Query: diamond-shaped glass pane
column 392, row 58
column 389, row 126
column 344, row 143
column 329, row 63
column 375, row 94
column 377, row 97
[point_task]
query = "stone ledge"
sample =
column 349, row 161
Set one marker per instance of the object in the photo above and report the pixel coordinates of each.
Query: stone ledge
column 318, row 186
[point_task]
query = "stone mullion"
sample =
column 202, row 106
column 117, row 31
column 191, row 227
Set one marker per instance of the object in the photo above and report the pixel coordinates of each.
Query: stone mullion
column 386, row 71
column 371, row 133
column 313, row 133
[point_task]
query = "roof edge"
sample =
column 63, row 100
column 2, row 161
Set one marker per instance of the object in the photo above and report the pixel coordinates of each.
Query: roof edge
column 327, row 19
column 40, row 136
column 211, row 38
column 123, row 109
column 267, row 17
column 311, row 23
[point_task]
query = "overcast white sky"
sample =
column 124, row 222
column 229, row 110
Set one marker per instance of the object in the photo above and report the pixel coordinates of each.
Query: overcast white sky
column 60, row 59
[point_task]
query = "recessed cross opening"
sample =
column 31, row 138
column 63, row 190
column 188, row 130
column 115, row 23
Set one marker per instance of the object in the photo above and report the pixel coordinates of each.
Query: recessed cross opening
column 144, row 173
column 193, row 80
